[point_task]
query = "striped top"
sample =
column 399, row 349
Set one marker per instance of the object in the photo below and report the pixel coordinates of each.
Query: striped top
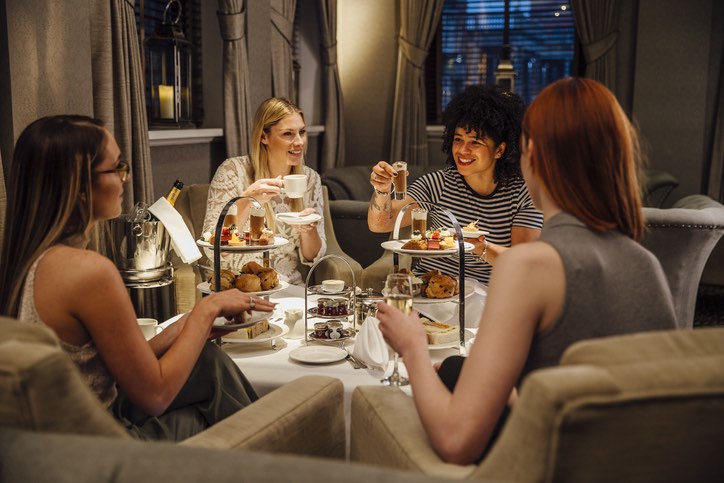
column 509, row 205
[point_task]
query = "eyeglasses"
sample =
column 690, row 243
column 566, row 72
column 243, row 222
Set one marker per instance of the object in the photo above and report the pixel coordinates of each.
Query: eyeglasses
column 123, row 169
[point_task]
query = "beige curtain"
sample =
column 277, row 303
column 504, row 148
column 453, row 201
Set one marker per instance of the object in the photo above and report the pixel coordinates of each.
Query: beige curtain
column 237, row 109
column 716, row 166
column 333, row 138
column 418, row 23
column 597, row 27
column 282, row 22
column 118, row 90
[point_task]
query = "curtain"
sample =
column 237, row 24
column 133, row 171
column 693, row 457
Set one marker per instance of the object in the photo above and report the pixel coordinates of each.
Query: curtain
column 716, row 165
column 597, row 27
column 282, row 21
column 237, row 111
column 118, row 91
column 333, row 138
column 418, row 23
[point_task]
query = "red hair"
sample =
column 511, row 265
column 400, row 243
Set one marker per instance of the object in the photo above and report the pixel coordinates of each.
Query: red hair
column 586, row 153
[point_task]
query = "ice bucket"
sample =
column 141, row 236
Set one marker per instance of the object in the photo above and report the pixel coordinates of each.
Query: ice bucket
column 138, row 247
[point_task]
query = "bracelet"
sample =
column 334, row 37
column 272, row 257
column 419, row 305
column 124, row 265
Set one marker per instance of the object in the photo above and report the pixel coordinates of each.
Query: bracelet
column 485, row 252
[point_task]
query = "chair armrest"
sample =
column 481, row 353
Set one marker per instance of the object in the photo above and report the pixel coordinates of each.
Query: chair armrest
column 305, row 417
column 387, row 431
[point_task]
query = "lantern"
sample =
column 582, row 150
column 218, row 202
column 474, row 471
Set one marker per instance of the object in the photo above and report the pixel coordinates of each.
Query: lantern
column 168, row 73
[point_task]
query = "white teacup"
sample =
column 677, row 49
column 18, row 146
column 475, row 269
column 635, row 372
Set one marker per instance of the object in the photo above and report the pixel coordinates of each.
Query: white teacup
column 295, row 185
column 149, row 327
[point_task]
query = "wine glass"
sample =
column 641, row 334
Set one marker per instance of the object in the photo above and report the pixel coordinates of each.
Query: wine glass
column 398, row 293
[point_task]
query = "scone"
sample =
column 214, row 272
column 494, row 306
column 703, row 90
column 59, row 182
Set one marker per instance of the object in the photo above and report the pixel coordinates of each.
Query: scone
column 247, row 282
column 252, row 267
column 440, row 287
column 227, row 280
column 268, row 278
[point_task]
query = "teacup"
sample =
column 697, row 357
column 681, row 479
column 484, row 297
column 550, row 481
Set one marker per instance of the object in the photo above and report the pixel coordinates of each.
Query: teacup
column 149, row 327
column 333, row 286
column 295, row 185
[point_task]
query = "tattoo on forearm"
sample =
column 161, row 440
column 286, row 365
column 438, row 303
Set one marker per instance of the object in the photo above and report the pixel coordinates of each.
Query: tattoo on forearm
column 385, row 208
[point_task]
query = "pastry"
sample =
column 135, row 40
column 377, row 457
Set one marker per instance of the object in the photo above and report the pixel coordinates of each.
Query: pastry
column 472, row 226
column 227, row 280
column 415, row 245
column 235, row 241
column 250, row 332
column 268, row 278
column 252, row 267
column 438, row 333
column 247, row 282
column 440, row 287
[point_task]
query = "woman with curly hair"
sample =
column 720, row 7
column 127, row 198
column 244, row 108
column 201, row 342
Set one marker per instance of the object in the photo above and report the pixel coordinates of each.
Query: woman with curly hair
column 482, row 182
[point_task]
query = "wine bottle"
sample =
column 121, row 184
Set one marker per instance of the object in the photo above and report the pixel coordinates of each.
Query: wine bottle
column 174, row 192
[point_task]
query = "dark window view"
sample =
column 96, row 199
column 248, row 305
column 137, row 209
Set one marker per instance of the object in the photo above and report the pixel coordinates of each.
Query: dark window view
column 541, row 37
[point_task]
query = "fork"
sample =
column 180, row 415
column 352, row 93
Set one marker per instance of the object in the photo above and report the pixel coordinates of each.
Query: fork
column 356, row 363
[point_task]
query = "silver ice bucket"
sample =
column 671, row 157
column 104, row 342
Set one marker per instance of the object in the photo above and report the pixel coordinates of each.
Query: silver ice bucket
column 140, row 249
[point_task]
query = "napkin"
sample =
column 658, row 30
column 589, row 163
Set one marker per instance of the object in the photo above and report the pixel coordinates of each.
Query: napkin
column 447, row 312
column 181, row 239
column 370, row 346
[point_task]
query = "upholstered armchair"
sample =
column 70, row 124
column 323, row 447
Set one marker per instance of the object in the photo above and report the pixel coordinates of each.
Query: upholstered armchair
column 643, row 407
column 41, row 390
column 682, row 238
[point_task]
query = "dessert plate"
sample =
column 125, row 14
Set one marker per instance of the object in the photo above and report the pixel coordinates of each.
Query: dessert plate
column 275, row 331
column 295, row 219
column 222, row 323
column 317, row 354
column 278, row 242
column 396, row 246
column 474, row 234
column 205, row 287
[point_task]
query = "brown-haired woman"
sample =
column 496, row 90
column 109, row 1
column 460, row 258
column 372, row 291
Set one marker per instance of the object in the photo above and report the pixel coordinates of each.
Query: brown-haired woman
column 68, row 174
column 585, row 277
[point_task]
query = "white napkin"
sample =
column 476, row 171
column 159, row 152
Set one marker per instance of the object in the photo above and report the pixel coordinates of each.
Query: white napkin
column 447, row 312
column 181, row 239
column 370, row 345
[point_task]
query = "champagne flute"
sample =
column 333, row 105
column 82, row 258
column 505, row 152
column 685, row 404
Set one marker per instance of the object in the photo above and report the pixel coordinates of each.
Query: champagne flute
column 398, row 293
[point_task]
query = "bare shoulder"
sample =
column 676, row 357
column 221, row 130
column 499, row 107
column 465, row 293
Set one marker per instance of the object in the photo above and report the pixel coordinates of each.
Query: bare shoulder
column 78, row 266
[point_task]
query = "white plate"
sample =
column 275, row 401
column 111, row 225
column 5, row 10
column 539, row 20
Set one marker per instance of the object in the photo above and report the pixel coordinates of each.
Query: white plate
column 295, row 219
column 278, row 242
column 317, row 354
column 450, row 345
column 474, row 234
column 205, row 287
column 396, row 246
column 275, row 331
column 469, row 290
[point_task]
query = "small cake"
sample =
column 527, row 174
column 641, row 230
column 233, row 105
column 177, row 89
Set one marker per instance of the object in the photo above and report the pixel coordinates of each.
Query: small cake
column 439, row 333
column 235, row 241
column 415, row 245
column 250, row 332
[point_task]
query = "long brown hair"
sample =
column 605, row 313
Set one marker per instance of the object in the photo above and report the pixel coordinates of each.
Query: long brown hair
column 586, row 153
column 269, row 113
column 49, row 195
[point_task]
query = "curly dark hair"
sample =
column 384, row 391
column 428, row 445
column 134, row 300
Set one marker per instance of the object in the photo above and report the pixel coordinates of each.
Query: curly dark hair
column 489, row 111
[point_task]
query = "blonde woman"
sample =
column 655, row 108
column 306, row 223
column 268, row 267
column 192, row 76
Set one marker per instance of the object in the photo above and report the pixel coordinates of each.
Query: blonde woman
column 278, row 145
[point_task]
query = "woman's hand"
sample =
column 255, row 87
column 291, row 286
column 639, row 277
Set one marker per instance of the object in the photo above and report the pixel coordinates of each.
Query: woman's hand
column 265, row 189
column 382, row 176
column 309, row 226
column 232, row 304
column 403, row 332
column 480, row 244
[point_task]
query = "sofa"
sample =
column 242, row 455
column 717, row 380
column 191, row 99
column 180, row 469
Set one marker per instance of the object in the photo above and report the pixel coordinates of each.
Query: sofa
column 53, row 429
column 640, row 408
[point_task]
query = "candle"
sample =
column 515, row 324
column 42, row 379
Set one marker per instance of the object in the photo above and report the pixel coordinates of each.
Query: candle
column 165, row 98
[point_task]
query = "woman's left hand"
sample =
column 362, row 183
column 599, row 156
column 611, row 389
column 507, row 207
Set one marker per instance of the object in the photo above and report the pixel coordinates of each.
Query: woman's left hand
column 308, row 227
column 402, row 332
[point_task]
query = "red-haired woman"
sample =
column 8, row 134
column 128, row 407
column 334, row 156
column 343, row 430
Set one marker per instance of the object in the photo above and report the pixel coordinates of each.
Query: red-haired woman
column 586, row 276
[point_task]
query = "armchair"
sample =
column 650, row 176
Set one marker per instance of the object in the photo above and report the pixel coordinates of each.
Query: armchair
column 41, row 390
column 641, row 407
column 682, row 238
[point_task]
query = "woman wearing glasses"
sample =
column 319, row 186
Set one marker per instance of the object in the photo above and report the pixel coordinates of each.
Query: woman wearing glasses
column 67, row 175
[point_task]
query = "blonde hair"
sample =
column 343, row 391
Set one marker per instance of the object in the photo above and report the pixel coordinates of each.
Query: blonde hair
column 269, row 113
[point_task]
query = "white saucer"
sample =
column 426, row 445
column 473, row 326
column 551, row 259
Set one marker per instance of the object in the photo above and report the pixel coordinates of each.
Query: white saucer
column 317, row 354
column 294, row 218
column 474, row 234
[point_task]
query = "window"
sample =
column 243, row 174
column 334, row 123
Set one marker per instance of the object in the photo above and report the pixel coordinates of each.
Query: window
column 149, row 13
column 469, row 42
